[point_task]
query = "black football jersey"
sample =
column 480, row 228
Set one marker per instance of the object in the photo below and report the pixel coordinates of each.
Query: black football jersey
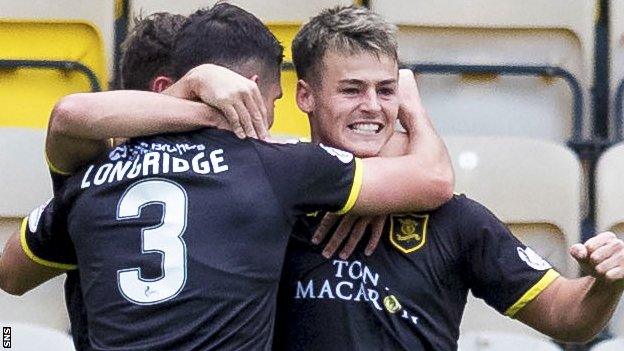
column 410, row 294
column 180, row 238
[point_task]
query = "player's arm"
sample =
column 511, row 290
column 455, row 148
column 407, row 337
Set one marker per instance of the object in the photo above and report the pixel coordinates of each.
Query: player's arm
column 575, row 310
column 81, row 125
column 38, row 251
column 19, row 273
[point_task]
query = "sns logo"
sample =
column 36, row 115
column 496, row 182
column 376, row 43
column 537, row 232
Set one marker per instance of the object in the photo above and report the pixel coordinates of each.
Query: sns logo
column 534, row 260
column 6, row 337
column 343, row 156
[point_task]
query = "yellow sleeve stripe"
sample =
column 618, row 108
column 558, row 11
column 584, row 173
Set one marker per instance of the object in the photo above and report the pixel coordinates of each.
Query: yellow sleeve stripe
column 356, row 186
column 36, row 259
column 53, row 168
column 532, row 293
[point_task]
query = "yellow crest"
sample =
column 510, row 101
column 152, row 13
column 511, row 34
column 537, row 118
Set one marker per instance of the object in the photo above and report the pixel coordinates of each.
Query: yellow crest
column 392, row 304
column 408, row 232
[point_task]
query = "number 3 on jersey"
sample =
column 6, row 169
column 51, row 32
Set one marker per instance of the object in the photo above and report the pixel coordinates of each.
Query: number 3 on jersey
column 164, row 238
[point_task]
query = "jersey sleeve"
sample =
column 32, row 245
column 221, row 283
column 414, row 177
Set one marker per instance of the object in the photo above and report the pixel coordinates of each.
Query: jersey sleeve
column 501, row 270
column 308, row 177
column 45, row 239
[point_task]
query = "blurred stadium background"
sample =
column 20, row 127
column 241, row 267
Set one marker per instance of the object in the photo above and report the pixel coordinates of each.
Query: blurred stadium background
column 527, row 94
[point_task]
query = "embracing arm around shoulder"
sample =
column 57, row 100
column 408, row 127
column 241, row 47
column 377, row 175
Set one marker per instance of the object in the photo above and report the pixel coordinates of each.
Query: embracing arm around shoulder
column 81, row 125
column 575, row 310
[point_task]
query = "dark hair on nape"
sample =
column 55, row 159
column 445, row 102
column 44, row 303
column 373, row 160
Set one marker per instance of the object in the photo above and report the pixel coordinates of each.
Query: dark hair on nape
column 146, row 52
column 228, row 36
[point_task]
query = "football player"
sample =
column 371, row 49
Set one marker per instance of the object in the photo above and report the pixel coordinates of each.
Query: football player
column 411, row 292
column 170, row 166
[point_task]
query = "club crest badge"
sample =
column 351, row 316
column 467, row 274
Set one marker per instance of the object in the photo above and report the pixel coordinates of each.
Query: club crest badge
column 408, row 232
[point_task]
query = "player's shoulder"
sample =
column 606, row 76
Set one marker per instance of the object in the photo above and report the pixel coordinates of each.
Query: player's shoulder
column 199, row 136
column 462, row 202
column 455, row 204
column 301, row 148
column 461, row 208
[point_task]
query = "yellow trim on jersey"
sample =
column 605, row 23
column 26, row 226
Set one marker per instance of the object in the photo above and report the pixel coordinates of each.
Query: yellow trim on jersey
column 36, row 259
column 53, row 167
column 356, row 186
column 532, row 293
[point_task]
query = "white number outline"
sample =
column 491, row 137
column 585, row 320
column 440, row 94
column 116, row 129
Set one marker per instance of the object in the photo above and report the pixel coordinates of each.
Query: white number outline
column 162, row 253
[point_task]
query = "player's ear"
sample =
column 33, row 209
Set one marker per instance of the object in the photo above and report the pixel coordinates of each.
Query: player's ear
column 255, row 78
column 160, row 83
column 305, row 98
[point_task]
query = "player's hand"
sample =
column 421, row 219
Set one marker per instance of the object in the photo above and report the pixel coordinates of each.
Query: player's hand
column 410, row 104
column 602, row 257
column 352, row 227
column 237, row 97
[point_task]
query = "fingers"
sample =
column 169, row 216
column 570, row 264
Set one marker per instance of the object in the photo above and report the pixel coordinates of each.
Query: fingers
column 376, row 233
column 605, row 252
column 579, row 252
column 257, row 121
column 615, row 274
column 608, row 257
column 245, row 120
column 260, row 122
column 339, row 235
column 599, row 240
column 242, row 104
column 232, row 117
column 602, row 256
column 355, row 236
column 324, row 227
column 615, row 262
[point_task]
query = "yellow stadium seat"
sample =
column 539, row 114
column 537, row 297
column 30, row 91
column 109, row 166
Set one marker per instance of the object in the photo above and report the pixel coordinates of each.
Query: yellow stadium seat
column 289, row 120
column 27, row 95
column 40, row 61
column 97, row 14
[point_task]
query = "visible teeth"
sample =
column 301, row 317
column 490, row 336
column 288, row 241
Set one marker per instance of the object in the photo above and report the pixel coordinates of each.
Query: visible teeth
column 368, row 128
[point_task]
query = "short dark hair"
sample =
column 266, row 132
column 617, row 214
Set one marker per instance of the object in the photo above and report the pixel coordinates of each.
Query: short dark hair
column 146, row 52
column 224, row 35
column 344, row 29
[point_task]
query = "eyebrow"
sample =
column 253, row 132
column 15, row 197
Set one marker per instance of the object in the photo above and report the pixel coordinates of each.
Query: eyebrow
column 387, row 81
column 360, row 82
column 351, row 81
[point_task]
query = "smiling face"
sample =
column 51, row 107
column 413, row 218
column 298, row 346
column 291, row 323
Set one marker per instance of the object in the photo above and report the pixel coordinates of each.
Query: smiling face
column 354, row 103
